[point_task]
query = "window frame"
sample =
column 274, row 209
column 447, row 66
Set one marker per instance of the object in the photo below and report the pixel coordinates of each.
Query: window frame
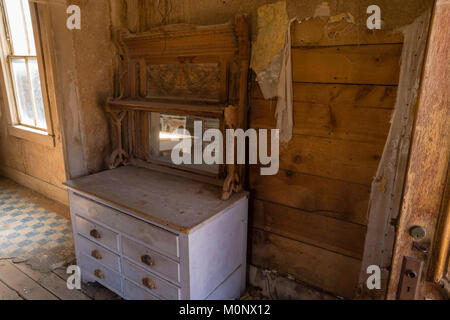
column 15, row 128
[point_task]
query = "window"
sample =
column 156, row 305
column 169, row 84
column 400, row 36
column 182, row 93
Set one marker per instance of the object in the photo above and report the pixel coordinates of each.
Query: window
column 22, row 64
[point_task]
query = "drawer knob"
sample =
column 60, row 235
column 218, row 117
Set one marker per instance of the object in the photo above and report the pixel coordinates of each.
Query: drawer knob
column 147, row 282
column 99, row 274
column 97, row 255
column 146, row 259
column 95, row 234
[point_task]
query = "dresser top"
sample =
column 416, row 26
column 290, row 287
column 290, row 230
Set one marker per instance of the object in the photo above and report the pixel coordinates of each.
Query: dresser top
column 170, row 200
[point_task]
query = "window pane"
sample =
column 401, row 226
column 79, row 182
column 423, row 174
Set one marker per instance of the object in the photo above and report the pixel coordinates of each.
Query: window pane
column 37, row 93
column 23, row 92
column 20, row 27
column 26, row 11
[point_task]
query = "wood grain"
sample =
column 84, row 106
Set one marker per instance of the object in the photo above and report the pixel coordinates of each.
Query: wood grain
column 182, row 69
column 318, row 267
column 142, row 193
column 314, row 228
column 350, row 161
column 430, row 149
column 94, row 291
column 344, row 96
column 359, row 113
column 361, row 96
column 52, row 283
column 320, row 32
column 439, row 265
column 7, row 293
column 28, row 288
column 338, row 199
column 370, row 64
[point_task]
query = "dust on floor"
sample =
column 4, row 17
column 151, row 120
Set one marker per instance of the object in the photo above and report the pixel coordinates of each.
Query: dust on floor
column 33, row 229
column 38, row 272
column 18, row 281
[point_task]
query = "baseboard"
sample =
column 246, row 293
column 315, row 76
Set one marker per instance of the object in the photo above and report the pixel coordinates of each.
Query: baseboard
column 277, row 287
column 47, row 189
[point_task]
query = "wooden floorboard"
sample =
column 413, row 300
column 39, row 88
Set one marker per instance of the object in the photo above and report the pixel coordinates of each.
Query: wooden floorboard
column 25, row 286
column 18, row 281
column 94, row 291
column 52, row 283
column 7, row 293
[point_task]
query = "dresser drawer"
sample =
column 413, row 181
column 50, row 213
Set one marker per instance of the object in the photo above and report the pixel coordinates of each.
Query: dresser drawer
column 155, row 237
column 102, row 255
column 100, row 273
column 97, row 233
column 151, row 282
column 149, row 259
column 133, row 292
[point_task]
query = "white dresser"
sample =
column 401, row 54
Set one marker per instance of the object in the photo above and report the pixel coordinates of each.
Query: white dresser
column 149, row 235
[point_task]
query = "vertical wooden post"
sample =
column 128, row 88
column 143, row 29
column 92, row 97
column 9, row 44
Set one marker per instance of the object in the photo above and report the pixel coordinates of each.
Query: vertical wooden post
column 154, row 133
column 430, row 151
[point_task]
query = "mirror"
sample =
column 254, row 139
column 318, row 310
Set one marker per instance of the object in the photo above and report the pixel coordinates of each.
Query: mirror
column 168, row 131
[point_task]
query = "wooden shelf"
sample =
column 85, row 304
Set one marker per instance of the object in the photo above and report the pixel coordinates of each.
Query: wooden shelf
column 213, row 110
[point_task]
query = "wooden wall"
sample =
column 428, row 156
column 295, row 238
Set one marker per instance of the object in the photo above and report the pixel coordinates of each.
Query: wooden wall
column 82, row 86
column 310, row 219
column 32, row 162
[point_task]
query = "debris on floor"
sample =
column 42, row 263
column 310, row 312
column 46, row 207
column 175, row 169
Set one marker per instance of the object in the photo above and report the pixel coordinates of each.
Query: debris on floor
column 31, row 231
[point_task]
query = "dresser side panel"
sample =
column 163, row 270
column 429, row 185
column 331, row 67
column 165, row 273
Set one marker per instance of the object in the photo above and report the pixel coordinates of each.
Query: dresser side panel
column 217, row 249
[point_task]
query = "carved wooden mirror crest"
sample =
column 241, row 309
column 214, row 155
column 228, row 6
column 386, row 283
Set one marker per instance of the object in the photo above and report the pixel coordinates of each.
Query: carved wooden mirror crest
column 171, row 77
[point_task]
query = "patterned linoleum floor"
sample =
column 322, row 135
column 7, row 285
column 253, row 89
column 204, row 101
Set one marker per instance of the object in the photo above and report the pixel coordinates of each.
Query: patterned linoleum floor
column 29, row 230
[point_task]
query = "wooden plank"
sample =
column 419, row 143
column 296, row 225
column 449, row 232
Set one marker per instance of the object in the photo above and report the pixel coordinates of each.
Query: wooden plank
column 323, row 120
column 94, row 291
column 320, row 230
column 439, row 264
column 370, row 64
column 52, row 283
column 330, row 158
column 360, row 96
column 430, row 148
column 154, row 133
column 20, row 282
column 177, row 107
column 8, row 294
column 360, row 113
column 350, row 161
column 388, row 189
column 338, row 199
column 61, row 272
column 319, row 32
column 327, row 270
